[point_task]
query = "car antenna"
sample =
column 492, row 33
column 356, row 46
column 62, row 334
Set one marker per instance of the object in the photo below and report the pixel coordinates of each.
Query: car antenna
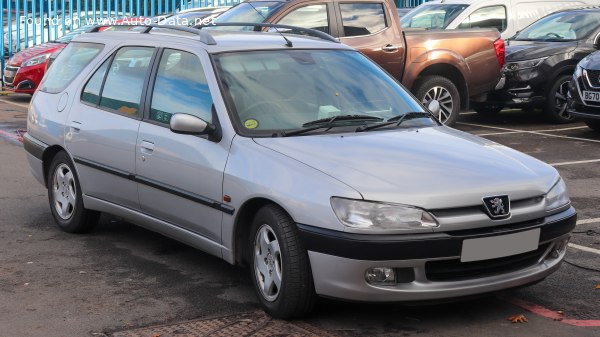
column 288, row 43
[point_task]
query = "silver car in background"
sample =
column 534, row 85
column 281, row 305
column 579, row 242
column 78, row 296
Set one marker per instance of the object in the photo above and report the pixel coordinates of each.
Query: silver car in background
column 295, row 156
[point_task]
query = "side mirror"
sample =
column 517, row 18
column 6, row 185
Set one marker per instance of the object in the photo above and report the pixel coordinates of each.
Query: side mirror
column 434, row 107
column 190, row 125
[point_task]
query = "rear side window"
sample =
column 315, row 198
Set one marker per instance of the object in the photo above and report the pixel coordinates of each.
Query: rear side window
column 486, row 17
column 122, row 90
column 362, row 18
column 180, row 87
column 69, row 64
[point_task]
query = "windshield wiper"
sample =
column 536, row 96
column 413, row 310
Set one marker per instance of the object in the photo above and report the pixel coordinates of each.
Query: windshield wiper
column 327, row 123
column 394, row 120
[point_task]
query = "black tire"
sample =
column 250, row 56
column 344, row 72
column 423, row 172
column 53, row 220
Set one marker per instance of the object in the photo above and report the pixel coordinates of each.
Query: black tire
column 556, row 104
column 487, row 109
column 296, row 295
column 425, row 90
column 593, row 124
column 76, row 219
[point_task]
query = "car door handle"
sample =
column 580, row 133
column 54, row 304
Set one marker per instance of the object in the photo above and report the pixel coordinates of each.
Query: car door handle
column 146, row 147
column 75, row 126
column 388, row 48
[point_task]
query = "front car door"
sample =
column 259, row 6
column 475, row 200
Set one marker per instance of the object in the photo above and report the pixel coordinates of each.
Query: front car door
column 180, row 176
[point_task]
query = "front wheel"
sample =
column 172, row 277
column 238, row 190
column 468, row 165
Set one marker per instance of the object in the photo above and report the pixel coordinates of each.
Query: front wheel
column 556, row 104
column 439, row 88
column 279, row 266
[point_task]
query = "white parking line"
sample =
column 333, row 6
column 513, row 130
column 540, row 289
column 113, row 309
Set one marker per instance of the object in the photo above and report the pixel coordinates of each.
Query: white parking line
column 584, row 248
column 531, row 132
column 563, row 129
column 588, row 221
column 576, row 162
column 13, row 103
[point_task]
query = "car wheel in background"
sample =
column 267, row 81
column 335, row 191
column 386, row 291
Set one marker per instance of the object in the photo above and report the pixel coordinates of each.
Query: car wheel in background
column 279, row 265
column 556, row 105
column 439, row 88
column 64, row 194
column 593, row 124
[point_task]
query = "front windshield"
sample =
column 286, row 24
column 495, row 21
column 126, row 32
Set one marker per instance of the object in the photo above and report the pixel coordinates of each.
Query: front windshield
column 279, row 90
column 432, row 16
column 562, row 26
column 254, row 12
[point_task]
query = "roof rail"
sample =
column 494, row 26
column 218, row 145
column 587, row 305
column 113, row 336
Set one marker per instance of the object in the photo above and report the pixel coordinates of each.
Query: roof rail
column 205, row 37
column 307, row 31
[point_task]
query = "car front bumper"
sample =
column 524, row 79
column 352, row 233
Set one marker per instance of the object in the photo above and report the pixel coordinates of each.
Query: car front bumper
column 523, row 88
column 576, row 106
column 339, row 262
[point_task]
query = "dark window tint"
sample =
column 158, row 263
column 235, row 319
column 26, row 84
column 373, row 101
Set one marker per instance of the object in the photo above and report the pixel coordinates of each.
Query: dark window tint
column 314, row 17
column 68, row 65
column 122, row 90
column 362, row 18
column 180, row 87
column 91, row 92
column 487, row 17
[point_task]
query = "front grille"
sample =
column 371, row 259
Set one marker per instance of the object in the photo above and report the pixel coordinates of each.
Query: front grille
column 593, row 77
column 9, row 74
column 454, row 270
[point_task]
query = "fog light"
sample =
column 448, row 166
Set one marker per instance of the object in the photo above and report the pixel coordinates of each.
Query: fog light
column 380, row 276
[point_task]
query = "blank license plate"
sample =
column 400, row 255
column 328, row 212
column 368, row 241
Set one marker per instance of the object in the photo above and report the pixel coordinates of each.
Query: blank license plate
column 500, row 246
column 593, row 96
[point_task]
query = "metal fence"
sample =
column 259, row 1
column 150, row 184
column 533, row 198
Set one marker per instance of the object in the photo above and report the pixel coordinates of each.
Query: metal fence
column 31, row 22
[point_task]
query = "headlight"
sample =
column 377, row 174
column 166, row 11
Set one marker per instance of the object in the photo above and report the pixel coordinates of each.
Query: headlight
column 558, row 196
column 375, row 215
column 35, row 60
column 520, row 65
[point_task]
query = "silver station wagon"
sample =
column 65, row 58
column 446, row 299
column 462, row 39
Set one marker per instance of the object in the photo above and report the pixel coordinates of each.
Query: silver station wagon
column 294, row 156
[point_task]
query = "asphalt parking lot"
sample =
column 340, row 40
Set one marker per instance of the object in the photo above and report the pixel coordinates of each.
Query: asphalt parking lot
column 121, row 280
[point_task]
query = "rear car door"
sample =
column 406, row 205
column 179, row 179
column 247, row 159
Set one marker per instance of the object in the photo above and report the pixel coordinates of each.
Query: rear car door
column 369, row 27
column 180, row 176
column 104, row 126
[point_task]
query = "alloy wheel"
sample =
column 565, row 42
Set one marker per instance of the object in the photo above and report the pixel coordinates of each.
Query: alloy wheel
column 267, row 262
column 442, row 95
column 560, row 101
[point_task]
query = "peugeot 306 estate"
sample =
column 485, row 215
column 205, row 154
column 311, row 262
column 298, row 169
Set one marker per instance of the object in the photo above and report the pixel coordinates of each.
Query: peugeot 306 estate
column 294, row 156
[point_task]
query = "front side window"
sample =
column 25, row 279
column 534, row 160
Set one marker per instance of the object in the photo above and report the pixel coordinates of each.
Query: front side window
column 561, row 26
column 362, row 18
column 487, row 17
column 279, row 90
column 122, row 91
column 437, row 16
column 180, row 87
column 68, row 65
column 313, row 17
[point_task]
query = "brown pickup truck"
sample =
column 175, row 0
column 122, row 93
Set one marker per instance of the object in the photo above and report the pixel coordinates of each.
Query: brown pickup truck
column 452, row 67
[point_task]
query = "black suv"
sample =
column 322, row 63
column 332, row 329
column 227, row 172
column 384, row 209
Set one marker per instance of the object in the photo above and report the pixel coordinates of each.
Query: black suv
column 584, row 91
column 540, row 61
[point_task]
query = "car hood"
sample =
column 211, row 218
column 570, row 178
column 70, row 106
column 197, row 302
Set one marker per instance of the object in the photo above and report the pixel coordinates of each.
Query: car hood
column 592, row 61
column 28, row 53
column 432, row 168
column 527, row 50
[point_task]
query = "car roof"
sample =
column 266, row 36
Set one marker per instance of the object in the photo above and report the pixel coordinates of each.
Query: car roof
column 225, row 40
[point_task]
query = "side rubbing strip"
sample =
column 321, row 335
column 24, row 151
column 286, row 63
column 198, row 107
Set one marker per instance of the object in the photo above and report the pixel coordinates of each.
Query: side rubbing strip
column 33, row 146
column 155, row 184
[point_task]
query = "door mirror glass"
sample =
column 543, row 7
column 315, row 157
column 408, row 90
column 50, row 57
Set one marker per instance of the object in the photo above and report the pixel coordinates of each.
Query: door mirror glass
column 189, row 124
column 434, row 107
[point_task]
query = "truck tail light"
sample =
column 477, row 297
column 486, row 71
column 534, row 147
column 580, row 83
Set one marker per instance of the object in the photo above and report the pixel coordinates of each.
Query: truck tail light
column 500, row 51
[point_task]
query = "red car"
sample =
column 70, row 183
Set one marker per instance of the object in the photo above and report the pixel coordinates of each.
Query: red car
column 24, row 70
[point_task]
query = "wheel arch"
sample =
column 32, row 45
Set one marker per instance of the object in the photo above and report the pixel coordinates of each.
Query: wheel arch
column 47, row 157
column 450, row 72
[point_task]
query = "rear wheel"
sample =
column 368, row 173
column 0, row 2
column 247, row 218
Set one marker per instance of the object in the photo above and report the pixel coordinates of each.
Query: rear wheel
column 439, row 88
column 279, row 266
column 64, row 194
column 556, row 104
column 593, row 124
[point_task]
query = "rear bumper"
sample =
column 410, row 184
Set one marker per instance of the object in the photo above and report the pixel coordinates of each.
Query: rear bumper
column 35, row 149
column 339, row 262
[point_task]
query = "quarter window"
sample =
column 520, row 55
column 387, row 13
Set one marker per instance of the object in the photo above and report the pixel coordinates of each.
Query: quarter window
column 363, row 18
column 487, row 17
column 314, row 17
column 68, row 65
column 91, row 92
column 180, row 87
column 122, row 91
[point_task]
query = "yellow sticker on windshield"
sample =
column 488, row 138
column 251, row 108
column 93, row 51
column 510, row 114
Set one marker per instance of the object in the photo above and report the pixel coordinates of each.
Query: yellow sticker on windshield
column 251, row 124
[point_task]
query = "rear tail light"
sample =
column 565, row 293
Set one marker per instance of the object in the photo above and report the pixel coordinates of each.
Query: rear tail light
column 500, row 51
